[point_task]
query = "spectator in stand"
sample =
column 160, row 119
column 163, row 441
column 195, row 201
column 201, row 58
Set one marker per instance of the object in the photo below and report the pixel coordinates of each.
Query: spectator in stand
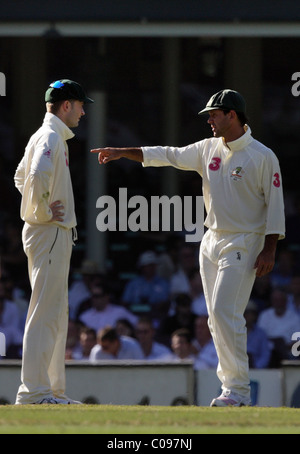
column 261, row 292
column 145, row 334
column 17, row 296
column 102, row 312
column 10, row 324
column 181, row 344
column 188, row 260
column 112, row 346
column 125, row 328
column 182, row 318
column 167, row 262
column 72, row 343
column 293, row 225
column 148, row 293
column 87, row 341
column 294, row 294
column 282, row 274
column 258, row 346
column 196, row 292
column 80, row 288
column 203, row 345
column 13, row 258
column 279, row 324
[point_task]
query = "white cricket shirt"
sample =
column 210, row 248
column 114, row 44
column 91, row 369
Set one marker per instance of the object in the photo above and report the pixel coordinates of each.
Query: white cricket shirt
column 43, row 175
column 242, row 185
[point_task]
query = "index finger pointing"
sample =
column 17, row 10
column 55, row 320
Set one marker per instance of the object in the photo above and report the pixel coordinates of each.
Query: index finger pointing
column 97, row 150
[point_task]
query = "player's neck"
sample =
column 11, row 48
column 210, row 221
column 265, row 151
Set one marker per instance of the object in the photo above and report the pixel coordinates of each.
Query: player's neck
column 234, row 134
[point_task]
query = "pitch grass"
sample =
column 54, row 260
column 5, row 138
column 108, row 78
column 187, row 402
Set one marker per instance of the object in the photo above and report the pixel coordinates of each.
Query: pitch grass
column 114, row 419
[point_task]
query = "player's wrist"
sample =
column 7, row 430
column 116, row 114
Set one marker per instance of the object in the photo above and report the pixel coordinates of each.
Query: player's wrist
column 271, row 243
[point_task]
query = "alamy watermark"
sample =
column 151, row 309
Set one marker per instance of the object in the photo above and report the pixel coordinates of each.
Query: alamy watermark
column 295, row 347
column 2, row 345
column 296, row 86
column 160, row 213
column 2, row 84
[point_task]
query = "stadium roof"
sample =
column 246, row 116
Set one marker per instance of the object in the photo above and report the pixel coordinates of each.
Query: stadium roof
column 150, row 10
column 150, row 17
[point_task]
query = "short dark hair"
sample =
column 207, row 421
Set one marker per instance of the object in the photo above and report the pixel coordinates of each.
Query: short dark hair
column 101, row 286
column 87, row 330
column 183, row 299
column 55, row 106
column 184, row 333
column 108, row 333
column 243, row 119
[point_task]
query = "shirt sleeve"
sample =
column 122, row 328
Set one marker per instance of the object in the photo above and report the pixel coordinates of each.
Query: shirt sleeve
column 183, row 158
column 41, row 172
column 19, row 177
column 272, row 188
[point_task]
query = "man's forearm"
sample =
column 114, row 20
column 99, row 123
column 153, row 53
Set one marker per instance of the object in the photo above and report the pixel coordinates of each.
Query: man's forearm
column 132, row 153
column 108, row 154
column 266, row 259
column 271, row 243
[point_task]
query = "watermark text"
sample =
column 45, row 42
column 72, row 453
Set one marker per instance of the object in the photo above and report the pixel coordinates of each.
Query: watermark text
column 296, row 86
column 296, row 345
column 2, row 84
column 160, row 213
column 2, row 345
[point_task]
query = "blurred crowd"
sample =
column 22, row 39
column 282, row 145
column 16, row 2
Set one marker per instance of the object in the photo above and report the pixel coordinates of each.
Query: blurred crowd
column 160, row 314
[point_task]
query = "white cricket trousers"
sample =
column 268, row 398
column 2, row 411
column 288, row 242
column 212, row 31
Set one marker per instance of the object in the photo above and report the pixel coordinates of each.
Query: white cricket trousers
column 226, row 266
column 48, row 249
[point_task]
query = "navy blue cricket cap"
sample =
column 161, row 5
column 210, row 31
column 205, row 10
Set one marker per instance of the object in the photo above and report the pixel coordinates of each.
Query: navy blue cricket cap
column 65, row 89
column 226, row 100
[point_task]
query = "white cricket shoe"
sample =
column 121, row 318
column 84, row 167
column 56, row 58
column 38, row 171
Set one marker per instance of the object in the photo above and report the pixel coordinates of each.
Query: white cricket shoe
column 229, row 399
column 56, row 400
column 52, row 400
column 71, row 401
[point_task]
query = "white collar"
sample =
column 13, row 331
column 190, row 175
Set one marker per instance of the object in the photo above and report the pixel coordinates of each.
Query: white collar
column 59, row 126
column 242, row 141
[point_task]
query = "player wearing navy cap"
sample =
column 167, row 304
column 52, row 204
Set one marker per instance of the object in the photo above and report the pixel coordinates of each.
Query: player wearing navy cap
column 48, row 211
column 243, row 197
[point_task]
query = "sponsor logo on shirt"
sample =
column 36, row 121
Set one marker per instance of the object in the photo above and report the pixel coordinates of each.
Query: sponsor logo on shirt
column 47, row 153
column 237, row 174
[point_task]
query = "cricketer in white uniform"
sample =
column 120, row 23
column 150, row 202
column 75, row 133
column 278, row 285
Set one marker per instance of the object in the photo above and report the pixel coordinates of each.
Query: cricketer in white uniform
column 47, row 209
column 243, row 197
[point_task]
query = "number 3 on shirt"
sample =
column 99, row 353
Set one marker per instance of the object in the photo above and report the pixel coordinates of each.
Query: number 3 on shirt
column 215, row 164
column 276, row 180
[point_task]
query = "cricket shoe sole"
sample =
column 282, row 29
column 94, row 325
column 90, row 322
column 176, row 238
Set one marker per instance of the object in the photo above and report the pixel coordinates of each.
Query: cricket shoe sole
column 230, row 400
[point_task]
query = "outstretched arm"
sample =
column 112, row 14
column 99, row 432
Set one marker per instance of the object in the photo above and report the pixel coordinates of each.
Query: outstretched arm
column 108, row 154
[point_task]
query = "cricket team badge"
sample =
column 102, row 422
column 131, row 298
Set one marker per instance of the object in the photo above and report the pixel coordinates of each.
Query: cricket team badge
column 237, row 174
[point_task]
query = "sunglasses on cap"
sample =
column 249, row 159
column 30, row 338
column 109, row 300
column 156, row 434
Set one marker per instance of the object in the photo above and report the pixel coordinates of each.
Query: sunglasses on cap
column 57, row 84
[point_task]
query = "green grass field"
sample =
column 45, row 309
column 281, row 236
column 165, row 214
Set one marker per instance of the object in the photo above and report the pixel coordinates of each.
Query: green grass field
column 113, row 419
